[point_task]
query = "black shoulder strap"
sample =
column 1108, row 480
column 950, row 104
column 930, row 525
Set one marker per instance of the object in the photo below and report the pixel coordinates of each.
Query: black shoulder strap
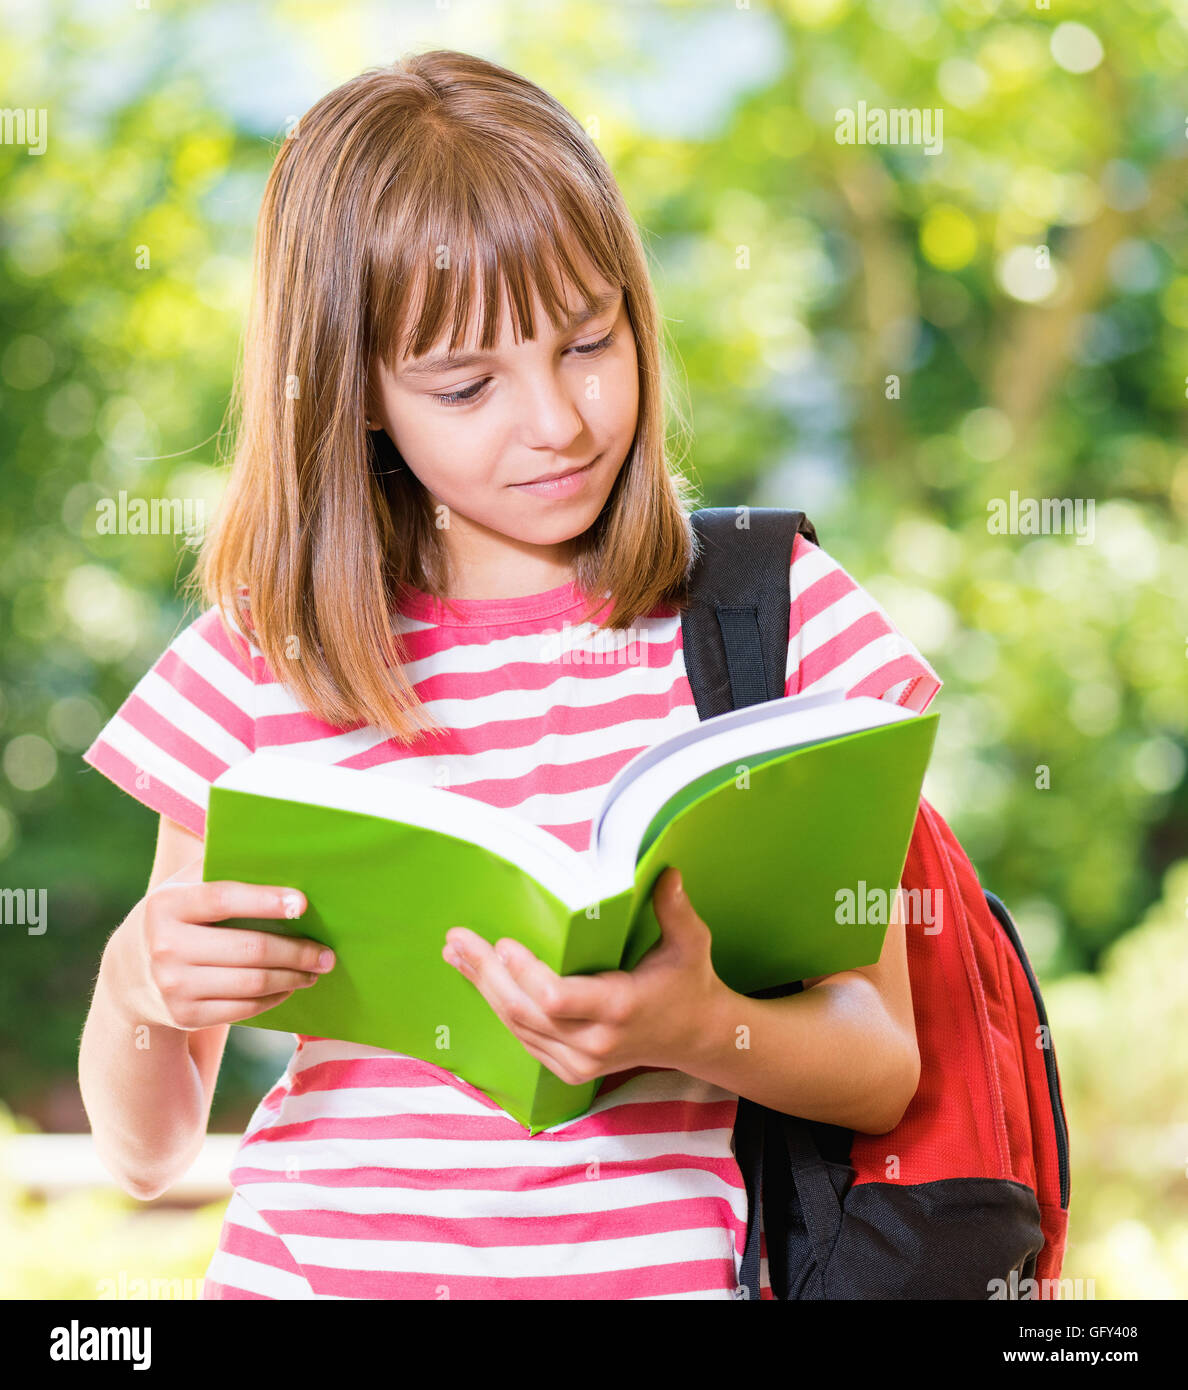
column 735, row 625
column 735, row 638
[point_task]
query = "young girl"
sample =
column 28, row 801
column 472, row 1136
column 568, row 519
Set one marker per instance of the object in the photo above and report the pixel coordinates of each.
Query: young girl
column 449, row 507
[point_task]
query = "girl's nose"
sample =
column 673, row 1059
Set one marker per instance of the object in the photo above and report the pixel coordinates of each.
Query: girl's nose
column 550, row 414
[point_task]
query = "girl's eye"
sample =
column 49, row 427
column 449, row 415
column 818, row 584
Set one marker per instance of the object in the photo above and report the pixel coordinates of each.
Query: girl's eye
column 587, row 348
column 461, row 397
column 471, row 393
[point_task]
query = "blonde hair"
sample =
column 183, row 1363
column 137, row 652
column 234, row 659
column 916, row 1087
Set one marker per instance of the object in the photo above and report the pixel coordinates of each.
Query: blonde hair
column 321, row 527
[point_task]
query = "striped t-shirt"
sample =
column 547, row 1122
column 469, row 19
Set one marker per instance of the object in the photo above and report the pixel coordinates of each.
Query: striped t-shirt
column 368, row 1174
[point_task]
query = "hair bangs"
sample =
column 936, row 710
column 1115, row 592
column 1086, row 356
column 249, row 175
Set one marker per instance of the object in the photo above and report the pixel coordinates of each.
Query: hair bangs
column 443, row 281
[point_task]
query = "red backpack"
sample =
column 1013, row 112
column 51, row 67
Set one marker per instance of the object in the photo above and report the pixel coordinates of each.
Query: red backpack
column 968, row 1196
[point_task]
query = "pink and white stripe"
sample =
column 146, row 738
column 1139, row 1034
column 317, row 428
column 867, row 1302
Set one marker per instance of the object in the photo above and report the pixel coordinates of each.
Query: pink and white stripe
column 364, row 1173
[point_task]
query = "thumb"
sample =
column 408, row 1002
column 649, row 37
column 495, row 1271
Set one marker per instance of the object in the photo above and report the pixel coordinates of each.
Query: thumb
column 678, row 919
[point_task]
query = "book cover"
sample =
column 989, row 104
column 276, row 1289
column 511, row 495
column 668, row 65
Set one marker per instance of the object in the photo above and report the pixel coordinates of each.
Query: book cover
column 765, row 846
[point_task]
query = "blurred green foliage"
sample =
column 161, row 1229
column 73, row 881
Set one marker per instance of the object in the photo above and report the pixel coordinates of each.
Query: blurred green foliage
column 1119, row 1038
column 887, row 338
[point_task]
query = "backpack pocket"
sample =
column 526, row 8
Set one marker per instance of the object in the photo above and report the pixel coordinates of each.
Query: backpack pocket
column 953, row 1238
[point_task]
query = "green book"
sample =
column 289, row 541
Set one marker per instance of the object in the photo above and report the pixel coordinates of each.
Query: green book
column 777, row 815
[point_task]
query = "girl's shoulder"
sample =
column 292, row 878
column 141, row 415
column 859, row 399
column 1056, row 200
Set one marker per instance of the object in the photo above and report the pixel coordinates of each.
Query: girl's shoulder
column 189, row 717
column 841, row 637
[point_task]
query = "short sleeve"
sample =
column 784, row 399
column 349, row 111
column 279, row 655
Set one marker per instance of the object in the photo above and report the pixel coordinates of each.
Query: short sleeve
column 839, row 638
column 189, row 718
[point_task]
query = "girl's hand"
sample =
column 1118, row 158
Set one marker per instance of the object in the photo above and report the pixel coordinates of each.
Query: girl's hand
column 170, row 967
column 585, row 1026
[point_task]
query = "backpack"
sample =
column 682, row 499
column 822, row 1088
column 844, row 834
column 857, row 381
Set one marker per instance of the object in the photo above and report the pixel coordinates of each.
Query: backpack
column 968, row 1196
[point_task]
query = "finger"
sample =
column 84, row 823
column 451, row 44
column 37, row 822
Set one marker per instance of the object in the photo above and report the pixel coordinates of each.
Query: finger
column 480, row 965
column 560, row 1060
column 681, row 928
column 574, row 1047
column 669, row 899
column 236, row 1010
column 217, row 982
column 538, row 1038
column 220, row 899
column 240, row 947
column 578, row 998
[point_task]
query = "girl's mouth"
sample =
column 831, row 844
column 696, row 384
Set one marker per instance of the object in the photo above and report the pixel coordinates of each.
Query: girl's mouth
column 560, row 487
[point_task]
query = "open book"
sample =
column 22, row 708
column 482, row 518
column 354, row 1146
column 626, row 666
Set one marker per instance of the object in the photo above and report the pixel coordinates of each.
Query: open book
column 776, row 814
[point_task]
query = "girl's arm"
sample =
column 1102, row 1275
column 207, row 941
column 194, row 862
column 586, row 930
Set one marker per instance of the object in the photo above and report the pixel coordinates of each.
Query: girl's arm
column 148, row 1103
column 169, row 985
column 843, row 1051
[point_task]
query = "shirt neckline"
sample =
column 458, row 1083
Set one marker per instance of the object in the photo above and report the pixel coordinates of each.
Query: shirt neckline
column 489, row 612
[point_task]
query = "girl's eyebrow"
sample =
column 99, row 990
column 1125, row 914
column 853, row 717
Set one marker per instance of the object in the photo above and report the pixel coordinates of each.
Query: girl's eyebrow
column 446, row 362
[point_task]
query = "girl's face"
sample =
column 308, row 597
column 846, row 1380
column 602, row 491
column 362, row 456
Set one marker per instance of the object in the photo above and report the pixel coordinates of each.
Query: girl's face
column 476, row 428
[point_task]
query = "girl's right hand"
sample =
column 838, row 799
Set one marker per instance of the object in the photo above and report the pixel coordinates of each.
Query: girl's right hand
column 173, row 968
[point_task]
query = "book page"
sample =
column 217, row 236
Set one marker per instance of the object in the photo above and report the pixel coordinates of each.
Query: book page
column 720, row 744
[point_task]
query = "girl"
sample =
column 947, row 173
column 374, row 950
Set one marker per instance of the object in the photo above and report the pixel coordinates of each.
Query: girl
column 452, row 449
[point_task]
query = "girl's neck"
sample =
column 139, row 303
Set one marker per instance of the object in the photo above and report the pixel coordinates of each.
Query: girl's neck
column 515, row 570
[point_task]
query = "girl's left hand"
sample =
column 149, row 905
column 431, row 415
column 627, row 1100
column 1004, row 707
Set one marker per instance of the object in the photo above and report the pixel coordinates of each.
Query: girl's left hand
column 586, row 1026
